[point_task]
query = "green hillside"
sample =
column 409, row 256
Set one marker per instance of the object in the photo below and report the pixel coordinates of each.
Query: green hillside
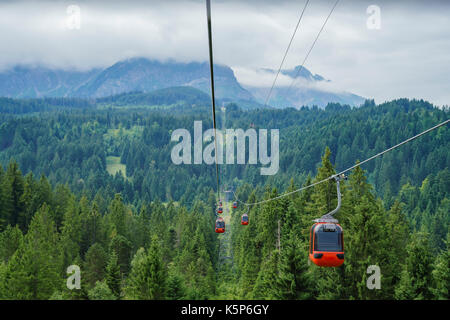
column 63, row 203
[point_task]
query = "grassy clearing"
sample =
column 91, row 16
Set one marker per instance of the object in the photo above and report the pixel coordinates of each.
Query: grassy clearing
column 113, row 166
column 133, row 132
column 113, row 139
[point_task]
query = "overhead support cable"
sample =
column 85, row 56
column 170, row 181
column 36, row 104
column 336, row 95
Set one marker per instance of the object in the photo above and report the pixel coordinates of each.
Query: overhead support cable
column 311, row 48
column 348, row 169
column 211, row 66
column 286, row 52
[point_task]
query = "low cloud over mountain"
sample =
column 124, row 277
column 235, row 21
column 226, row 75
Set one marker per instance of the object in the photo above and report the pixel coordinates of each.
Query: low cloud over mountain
column 141, row 74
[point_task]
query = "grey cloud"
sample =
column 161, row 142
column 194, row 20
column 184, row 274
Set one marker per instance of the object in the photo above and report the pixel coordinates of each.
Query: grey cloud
column 408, row 57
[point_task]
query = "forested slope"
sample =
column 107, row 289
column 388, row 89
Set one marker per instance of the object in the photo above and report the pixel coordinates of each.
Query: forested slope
column 119, row 250
column 150, row 235
column 72, row 146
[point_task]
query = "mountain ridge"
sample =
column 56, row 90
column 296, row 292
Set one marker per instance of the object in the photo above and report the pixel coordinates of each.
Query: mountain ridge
column 312, row 92
column 147, row 75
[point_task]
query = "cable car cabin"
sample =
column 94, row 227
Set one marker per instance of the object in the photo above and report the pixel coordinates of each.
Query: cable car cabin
column 244, row 219
column 220, row 225
column 326, row 244
column 234, row 205
column 220, row 210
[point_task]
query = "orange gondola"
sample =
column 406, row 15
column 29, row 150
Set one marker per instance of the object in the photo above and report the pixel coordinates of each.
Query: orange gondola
column 220, row 225
column 326, row 244
column 326, row 237
column 244, row 219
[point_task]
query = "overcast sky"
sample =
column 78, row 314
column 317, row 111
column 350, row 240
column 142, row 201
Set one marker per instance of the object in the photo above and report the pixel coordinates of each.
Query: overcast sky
column 409, row 56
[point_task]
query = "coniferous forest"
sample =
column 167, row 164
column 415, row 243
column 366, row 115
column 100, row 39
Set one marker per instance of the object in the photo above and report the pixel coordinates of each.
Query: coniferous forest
column 92, row 184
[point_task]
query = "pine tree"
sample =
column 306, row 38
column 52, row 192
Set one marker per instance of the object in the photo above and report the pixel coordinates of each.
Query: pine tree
column 141, row 229
column 95, row 263
column 6, row 201
column 251, row 264
column 365, row 238
column 416, row 281
column 71, row 233
column 30, row 201
column 439, row 226
column 92, row 228
column 10, row 240
column 266, row 283
column 3, row 291
column 113, row 275
column 324, row 196
column 365, row 246
column 16, row 188
column 441, row 273
column 294, row 280
column 34, row 269
column 397, row 238
column 157, row 273
column 45, row 195
column 203, row 275
column 122, row 247
column 147, row 279
column 101, row 291
column 176, row 289
column 117, row 212
column 2, row 178
column 268, row 218
column 137, row 282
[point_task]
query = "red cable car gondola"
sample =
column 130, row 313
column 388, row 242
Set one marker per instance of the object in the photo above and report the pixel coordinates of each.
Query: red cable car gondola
column 220, row 225
column 326, row 238
column 234, row 205
column 326, row 245
column 220, row 210
column 244, row 219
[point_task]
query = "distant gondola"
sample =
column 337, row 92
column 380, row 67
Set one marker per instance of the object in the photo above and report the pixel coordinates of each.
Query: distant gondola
column 244, row 219
column 220, row 225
